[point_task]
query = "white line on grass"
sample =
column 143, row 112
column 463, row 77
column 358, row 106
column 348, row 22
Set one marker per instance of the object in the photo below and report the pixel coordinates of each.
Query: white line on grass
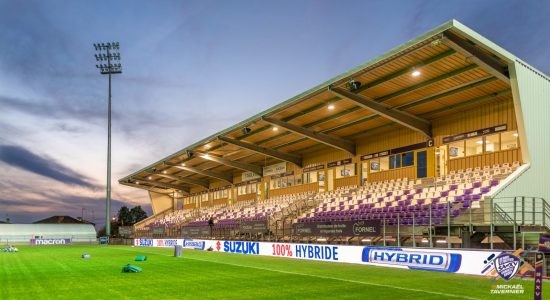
column 318, row 276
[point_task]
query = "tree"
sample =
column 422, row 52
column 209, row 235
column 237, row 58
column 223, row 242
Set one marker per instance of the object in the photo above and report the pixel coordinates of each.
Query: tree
column 128, row 217
column 138, row 214
column 125, row 218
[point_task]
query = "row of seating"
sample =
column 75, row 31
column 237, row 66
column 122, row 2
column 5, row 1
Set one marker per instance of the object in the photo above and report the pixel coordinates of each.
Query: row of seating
column 230, row 217
column 396, row 199
column 389, row 199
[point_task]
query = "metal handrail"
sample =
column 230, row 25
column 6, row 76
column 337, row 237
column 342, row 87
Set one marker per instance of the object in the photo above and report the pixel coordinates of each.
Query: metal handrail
column 502, row 215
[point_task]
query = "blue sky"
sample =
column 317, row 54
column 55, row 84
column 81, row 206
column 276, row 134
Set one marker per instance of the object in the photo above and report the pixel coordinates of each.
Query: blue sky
column 191, row 68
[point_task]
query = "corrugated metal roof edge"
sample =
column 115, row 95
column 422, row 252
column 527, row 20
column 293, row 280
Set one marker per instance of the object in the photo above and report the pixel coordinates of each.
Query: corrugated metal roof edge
column 469, row 33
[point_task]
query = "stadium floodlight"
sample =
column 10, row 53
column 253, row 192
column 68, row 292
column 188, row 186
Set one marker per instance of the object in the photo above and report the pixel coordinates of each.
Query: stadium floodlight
column 108, row 52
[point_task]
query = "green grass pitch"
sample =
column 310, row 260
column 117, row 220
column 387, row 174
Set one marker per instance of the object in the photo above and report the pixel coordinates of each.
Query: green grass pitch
column 59, row 272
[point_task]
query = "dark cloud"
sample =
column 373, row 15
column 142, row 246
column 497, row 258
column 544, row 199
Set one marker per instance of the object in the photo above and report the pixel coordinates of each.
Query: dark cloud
column 92, row 208
column 22, row 158
column 45, row 109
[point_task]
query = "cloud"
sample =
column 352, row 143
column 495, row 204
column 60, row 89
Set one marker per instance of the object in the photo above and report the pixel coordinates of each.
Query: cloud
column 22, row 158
column 28, row 210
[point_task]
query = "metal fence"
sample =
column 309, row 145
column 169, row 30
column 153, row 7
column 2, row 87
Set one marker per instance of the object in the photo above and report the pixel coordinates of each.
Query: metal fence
column 491, row 223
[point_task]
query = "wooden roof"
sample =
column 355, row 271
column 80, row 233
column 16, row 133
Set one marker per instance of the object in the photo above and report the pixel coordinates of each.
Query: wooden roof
column 450, row 80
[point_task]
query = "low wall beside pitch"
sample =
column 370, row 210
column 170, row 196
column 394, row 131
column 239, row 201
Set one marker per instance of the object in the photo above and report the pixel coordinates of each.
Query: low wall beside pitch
column 47, row 234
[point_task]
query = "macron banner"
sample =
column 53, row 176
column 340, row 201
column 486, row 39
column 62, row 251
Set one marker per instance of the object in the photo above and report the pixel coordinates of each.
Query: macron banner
column 428, row 259
column 47, row 242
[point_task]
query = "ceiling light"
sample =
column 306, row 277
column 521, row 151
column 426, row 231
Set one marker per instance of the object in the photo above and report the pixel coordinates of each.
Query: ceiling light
column 164, row 172
column 479, row 142
column 137, row 182
column 366, row 240
column 275, row 128
column 515, row 134
column 206, row 156
column 425, row 240
column 321, row 240
column 331, row 107
column 415, row 73
column 440, row 241
column 149, row 177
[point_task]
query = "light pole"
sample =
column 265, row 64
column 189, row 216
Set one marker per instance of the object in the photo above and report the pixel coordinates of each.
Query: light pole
column 109, row 53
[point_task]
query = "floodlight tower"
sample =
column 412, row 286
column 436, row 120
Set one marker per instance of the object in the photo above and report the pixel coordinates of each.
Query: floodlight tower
column 109, row 53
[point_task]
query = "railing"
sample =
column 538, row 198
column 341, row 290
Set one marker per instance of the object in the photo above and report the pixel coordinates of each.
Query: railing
column 518, row 221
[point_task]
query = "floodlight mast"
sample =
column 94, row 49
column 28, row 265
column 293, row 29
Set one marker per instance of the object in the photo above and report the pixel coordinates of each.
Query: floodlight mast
column 108, row 52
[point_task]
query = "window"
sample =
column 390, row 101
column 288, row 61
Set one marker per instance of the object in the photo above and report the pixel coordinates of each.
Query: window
column 384, row 163
column 492, row 143
column 509, row 140
column 474, row 146
column 395, row 161
column 345, row 171
column 290, row 181
column 456, row 149
column 407, row 159
column 310, row 177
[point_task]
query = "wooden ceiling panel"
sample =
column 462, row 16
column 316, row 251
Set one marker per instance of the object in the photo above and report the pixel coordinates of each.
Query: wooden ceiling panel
column 340, row 106
column 351, row 130
column 348, row 118
column 300, row 145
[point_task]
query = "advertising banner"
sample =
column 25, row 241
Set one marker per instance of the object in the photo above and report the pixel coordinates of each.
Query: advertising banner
column 199, row 231
column 47, row 242
column 125, row 230
column 429, row 259
column 274, row 169
column 338, row 228
column 544, row 244
column 194, row 244
column 339, row 163
column 253, row 227
column 158, row 230
column 167, row 242
column 249, row 176
column 539, row 266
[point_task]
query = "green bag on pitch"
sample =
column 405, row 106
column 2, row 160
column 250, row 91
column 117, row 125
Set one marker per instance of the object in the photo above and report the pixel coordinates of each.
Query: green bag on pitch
column 141, row 258
column 131, row 269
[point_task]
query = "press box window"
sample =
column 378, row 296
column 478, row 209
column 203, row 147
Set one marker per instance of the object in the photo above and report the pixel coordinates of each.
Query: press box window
column 492, row 143
column 384, row 163
column 474, row 146
column 456, row 150
column 395, row 161
column 345, row 171
column 407, row 159
column 509, row 140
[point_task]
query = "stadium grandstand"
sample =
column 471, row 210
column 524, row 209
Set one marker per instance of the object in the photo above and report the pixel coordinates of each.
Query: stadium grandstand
column 441, row 142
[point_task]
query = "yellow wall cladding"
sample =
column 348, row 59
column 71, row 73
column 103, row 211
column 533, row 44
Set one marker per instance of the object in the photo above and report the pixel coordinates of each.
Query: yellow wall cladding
column 196, row 189
column 489, row 115
column 399, row 137
column 325, row 156
column 218, row 183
